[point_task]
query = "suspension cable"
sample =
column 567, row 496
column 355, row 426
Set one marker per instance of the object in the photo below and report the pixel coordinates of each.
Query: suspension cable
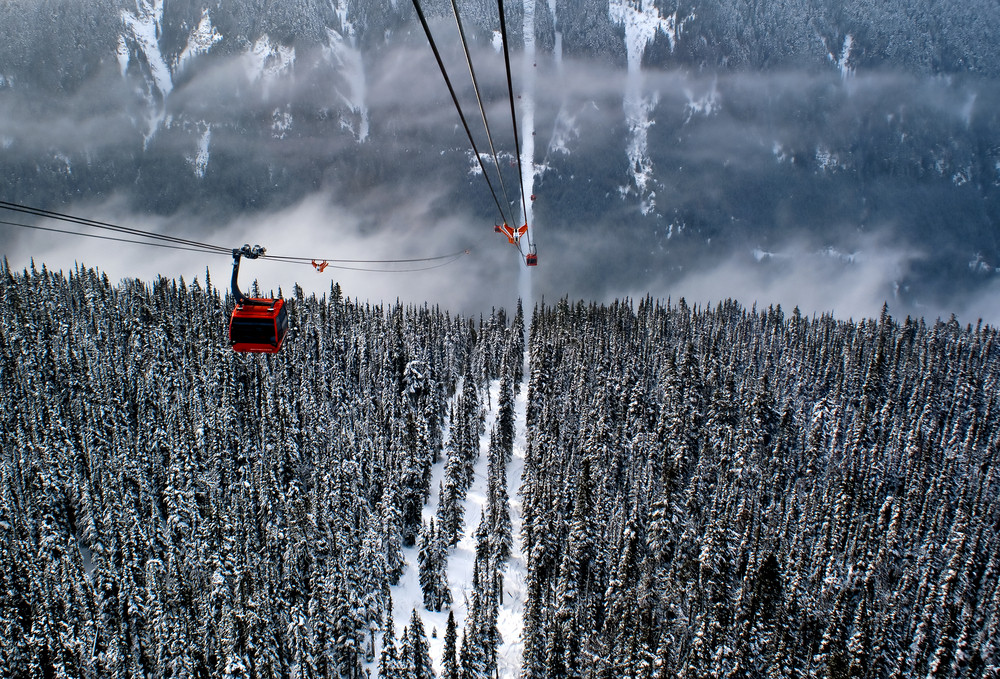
column 513, row 113
column 184, row 244
column 458, row 107
column 447, row 259
column 107, row 226
column 482, row 109
column 111, row 238
column 304, row 260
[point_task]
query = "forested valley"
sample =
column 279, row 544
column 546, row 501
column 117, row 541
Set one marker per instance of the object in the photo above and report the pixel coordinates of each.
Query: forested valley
column 708, row 491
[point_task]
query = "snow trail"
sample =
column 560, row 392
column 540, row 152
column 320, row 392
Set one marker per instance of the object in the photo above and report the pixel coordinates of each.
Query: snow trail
column 407, row 595
column 642, row 22
column 511, row 618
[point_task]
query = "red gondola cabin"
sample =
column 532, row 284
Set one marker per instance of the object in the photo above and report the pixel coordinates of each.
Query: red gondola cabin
column 258, row 325
column 531, row 259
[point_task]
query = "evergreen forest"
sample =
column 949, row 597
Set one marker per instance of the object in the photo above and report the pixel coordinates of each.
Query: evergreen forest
column 707, row 491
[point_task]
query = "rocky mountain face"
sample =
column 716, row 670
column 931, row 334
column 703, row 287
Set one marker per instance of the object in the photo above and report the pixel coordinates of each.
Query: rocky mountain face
column 690, row 130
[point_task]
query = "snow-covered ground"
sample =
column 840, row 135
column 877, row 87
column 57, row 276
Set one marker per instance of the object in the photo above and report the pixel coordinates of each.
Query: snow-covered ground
column 200, row 41
column 144, row 26
column 407, row 595
column 346, row 58
column 642, row 22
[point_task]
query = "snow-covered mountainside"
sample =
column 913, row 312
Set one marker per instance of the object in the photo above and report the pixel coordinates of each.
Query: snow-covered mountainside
column 693, row 131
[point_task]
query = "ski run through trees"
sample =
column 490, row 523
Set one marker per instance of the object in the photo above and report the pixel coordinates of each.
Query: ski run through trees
column 706, row 491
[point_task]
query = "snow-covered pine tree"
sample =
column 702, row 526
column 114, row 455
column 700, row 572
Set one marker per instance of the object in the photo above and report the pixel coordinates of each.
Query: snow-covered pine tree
column 418, row 657
column 498, row 504
column 449, row 662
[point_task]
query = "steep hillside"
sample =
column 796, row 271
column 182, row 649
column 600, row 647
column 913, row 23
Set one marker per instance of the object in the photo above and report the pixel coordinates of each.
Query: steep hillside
column 170, row 508
column 676, row 137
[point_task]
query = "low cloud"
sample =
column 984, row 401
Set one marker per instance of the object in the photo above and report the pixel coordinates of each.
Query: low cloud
column 849, row 191
column 815, row 279
column 314, row 228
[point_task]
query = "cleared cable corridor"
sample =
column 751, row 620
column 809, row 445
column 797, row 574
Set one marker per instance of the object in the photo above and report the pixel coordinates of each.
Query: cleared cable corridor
column 482, row 109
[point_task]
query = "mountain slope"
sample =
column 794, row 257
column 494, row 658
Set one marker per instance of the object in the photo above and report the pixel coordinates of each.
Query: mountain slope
column 677, row 137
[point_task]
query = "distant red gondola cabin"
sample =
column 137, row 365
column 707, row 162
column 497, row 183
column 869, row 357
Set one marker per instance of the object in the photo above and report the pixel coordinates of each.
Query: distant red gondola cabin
column 258, row 325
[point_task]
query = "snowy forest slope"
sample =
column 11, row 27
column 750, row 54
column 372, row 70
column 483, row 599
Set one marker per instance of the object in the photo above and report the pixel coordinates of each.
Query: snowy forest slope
column 707, row 492
column 172, row 508
column 722, row 492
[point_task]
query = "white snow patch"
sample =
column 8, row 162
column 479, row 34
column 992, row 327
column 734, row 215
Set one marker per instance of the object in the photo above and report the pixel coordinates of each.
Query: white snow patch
column 407, row 595
column 6, row 142
column 642, row 22
column 201, row 40
column 826, row 159
column 779, row 152
column 564, row 132
column 845, row 257
column 474, row 167
column 199, row 161
column 511, row 620
column 347, row 59
column 963, row 176
column 266, row 61
column 843, row 61
column 341, row 8
column 830, row 252
column 497, row 42
column 637, row 110
column 675, row 227
column 281, row 123
column 67, row 166
column 705, row 105
column 978, row 264
column 557, row 48
column 87, row 559
column 144, row 27
column 505, row 157
column 123, row 55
